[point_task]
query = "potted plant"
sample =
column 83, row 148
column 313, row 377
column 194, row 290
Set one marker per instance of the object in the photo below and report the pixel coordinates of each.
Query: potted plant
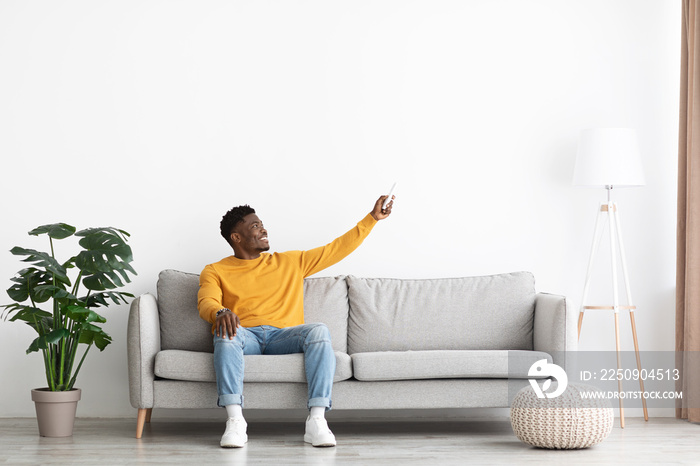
column 67, row 326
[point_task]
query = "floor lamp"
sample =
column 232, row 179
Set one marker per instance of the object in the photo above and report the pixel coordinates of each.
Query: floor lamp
column 609, row 158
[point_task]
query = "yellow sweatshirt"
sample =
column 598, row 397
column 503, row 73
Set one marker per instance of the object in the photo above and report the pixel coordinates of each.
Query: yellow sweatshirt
column 269, row 290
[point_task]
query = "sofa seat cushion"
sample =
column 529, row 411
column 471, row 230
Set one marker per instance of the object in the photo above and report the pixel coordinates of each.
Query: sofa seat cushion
column 444, row 364
column 198, row 366
column 473, row 313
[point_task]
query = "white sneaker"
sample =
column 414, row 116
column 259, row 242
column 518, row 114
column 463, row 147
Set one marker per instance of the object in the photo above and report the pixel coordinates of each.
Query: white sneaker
column 317, row 433
column 235, row 435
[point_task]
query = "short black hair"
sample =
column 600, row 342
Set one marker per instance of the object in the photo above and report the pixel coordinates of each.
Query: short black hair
column 232, row 218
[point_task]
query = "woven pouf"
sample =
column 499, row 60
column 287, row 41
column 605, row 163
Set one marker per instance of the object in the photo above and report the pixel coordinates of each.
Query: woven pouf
column 568, row 421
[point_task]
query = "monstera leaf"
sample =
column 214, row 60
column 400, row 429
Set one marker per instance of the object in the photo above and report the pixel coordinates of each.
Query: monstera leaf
column 104, row 262
column 52, row 338
column 28, row 284
column 89, row 333
column 55, row 231
column 100, row 299
column 94, row 335
column 83, row 314
column 45, row 261
column 28, row 314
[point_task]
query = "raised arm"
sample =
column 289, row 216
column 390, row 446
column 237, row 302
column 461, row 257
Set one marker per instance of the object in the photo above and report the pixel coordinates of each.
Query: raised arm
column 317, row 259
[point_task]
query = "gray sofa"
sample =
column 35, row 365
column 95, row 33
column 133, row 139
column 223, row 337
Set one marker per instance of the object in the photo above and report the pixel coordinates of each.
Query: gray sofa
column 434, row 343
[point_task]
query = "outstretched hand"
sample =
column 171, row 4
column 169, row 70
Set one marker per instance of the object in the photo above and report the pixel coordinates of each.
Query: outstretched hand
column 380, row 214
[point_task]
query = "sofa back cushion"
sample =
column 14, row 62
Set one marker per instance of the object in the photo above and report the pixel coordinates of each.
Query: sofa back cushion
column 474, row 313
column 326, row 300
column 181, row 328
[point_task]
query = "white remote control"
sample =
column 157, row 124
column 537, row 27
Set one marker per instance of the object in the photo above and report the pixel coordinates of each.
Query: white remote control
column 388, row 198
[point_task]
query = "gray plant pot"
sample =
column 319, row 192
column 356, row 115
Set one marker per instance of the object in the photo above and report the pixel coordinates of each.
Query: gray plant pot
column 55, row 411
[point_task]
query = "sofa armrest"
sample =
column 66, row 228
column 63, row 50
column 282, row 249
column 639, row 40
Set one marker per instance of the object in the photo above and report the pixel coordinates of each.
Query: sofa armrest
column 143, row 343
column 555, row 327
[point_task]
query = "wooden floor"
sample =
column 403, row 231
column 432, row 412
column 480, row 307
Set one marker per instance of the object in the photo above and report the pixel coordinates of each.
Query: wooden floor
column 660, row 441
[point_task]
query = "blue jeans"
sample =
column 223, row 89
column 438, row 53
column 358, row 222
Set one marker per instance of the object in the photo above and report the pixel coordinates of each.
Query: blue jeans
column 314, row 340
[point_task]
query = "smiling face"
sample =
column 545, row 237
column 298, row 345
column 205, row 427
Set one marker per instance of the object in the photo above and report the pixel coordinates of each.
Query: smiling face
column 249, row 238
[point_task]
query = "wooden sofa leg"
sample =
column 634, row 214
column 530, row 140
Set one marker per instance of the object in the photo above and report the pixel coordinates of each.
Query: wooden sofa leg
column 141, row 420
column 149, row 411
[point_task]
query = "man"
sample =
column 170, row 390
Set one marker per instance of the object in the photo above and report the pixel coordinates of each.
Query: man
column 255, row 303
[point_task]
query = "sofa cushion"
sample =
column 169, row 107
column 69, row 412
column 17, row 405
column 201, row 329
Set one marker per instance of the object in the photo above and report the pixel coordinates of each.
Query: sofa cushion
column 444, row 364
column 473, row 313
column 180, row 325
column 325, row 300
column 197, row 366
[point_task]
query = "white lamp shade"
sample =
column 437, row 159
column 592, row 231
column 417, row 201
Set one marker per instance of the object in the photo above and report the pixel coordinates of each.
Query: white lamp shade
column 608, row 157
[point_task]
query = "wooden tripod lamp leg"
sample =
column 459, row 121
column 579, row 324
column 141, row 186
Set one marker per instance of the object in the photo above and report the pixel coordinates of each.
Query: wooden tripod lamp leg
column 639, row 364
column 616, row 303
column 619, row 366
column 631, row 308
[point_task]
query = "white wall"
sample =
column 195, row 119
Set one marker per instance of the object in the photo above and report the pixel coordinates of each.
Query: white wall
column 158, row 116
